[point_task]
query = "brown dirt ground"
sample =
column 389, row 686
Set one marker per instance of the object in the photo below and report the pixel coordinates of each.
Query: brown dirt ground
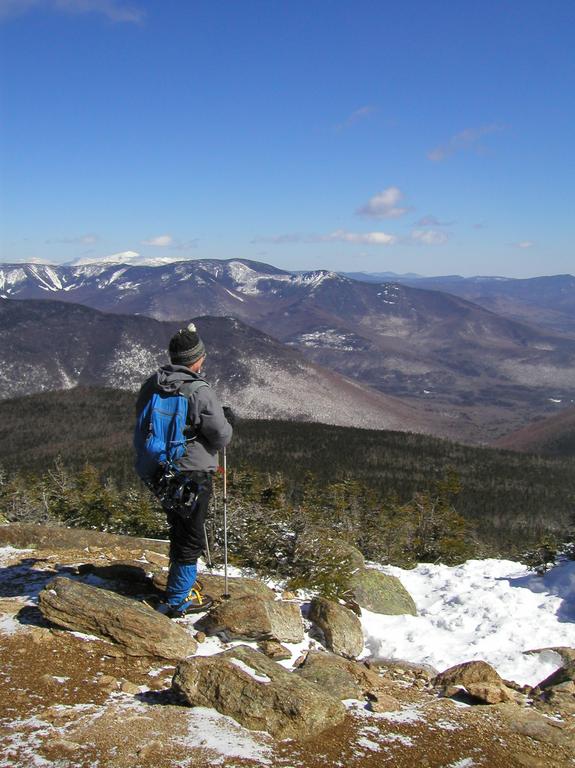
column 72, row 701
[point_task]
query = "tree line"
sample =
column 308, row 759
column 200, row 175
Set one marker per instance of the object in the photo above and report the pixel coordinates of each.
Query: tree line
column 510, row 500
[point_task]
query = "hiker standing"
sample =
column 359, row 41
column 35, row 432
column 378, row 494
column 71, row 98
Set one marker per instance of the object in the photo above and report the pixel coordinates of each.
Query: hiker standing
column 208, row 428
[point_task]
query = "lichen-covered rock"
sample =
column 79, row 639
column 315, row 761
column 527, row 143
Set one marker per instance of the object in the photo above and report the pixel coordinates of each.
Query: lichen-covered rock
column 528, row 722
column 134, row 625
column 343, row 678
column 156, row 558
column 260, row 694
column 214, row 585
column 57, row 537
column 251, row 618
column 381, row 593
column 341, row 628
column 564, row 674
column 274, row 650
column 479, row 679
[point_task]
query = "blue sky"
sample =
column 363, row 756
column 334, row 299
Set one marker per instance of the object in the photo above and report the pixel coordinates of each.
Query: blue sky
column 430, row 137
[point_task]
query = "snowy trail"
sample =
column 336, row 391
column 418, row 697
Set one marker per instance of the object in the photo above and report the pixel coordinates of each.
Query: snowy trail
column 483, row 609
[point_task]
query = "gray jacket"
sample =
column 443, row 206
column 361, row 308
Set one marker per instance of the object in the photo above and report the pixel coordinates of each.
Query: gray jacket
column 207, row 430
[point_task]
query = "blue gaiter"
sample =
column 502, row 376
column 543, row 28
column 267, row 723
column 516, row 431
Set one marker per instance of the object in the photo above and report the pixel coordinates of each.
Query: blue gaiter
column 181, row 579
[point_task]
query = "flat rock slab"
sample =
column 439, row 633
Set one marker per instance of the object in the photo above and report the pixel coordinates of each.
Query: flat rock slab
column 128, row 577
column 260, row 694
column 341, row 677
column 527, row 722
column 134, row 625
column 251, row 618
column 131, row 571
column 381, row 593
column 340, row 626
column 214, row 585
column 58, row 537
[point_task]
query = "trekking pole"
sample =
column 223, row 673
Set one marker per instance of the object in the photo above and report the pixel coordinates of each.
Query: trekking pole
column 208, row 555
column 225, row 501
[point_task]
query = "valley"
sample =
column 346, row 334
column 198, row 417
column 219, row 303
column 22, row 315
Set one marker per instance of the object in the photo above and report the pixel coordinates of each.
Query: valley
column 459, row 369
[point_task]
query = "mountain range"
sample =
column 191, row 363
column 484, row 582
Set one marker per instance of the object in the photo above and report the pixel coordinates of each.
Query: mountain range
column 51, row 345
column 545, row 301
column 459, row 362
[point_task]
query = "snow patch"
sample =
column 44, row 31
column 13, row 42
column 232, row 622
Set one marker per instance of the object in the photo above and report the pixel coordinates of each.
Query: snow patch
column 211, row 730
column 233, row 295
column 492, row 610
column 250, row 671
column 329, row 338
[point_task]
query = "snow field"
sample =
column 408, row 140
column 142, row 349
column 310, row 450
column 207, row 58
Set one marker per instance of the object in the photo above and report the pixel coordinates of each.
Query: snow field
column 492, row 610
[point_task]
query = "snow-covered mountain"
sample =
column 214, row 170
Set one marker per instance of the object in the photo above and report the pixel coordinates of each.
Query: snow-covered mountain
column 490, row 373
column 132, row 258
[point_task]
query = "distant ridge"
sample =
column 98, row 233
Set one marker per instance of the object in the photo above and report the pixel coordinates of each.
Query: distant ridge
column 52, row 345
column 547, row 301
column 554, row 436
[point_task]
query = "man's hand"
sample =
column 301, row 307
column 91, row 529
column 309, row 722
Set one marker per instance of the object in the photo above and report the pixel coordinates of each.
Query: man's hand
column 230, row 416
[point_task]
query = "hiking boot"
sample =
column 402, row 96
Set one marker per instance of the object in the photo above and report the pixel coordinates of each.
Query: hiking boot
column 195, row 602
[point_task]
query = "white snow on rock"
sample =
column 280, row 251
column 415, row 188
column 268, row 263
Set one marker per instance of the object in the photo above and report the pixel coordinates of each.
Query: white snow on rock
column 245, row 277
column 483, row 609
column 250, row 671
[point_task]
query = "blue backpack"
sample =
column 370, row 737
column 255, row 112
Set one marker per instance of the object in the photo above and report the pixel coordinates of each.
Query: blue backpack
column 159, row 439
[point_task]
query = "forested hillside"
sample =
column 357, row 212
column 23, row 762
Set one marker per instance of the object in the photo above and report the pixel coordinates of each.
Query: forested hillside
column 511, row 499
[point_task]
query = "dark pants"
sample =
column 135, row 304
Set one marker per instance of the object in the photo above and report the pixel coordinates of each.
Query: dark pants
column 187, row 539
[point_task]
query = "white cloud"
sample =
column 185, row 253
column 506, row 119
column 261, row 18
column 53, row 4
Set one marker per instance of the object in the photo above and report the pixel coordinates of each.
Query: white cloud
column 366, row 238
column 524, row 244
column 384, row 205
column 89, row 239
column 15, row 7
column 184, row 245
column 433, row 221
column 31, row 261
column 466, row 139
column 162, row 241
column 429, row 237
column 114, row 10
column 338, row 236
column 356, row 116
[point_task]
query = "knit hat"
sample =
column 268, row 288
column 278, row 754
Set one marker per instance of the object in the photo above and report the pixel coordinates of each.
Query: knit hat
column 186, row 347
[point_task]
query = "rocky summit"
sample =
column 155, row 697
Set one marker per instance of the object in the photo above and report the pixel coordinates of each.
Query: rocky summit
column 94, row 675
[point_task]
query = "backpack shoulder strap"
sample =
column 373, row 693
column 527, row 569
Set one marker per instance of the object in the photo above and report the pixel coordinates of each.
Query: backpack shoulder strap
column 190, row 388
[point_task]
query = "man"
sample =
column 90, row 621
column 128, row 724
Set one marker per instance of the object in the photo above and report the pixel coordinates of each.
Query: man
column 208, row 429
